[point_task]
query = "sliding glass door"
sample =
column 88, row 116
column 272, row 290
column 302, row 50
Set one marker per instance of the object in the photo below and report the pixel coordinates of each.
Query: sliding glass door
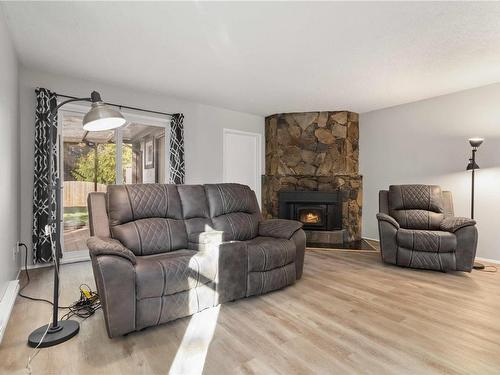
column 134, row 153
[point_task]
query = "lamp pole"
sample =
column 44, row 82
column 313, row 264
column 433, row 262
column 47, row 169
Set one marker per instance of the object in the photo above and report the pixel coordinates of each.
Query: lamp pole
column 473, row 160
column 99, row 117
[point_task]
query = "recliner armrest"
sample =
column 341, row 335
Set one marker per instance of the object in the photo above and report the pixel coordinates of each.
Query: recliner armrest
column 279, row 228
column 109, row 246
column 387, row 218
column 452, row 224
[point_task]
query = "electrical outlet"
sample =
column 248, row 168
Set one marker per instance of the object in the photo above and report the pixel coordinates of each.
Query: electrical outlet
column 15, row 251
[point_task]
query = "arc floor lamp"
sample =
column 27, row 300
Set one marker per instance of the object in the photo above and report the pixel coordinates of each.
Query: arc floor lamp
column 100, row 117
column 472, row 166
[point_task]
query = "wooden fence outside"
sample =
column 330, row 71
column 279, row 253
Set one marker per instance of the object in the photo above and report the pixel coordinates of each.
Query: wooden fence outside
column 76, row 192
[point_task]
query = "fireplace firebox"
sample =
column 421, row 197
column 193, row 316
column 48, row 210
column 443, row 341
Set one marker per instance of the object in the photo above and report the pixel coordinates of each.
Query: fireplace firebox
column 317, row 210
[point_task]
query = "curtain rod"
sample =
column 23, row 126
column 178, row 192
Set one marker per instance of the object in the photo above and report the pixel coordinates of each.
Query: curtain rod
column 122, row 106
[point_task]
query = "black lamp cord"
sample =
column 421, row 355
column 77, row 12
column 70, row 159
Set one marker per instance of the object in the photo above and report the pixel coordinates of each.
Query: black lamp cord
column 85, row 307
column 488, row 269
column 28, row 281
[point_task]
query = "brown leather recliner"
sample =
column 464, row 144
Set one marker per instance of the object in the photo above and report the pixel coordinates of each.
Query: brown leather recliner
column 162, row 252
column 417, row 229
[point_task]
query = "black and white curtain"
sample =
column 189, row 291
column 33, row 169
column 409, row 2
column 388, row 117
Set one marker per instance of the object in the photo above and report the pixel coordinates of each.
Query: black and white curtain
column 177, row 169
column 44, row 206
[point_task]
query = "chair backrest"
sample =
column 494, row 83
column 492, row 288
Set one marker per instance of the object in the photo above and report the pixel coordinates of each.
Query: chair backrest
column 416, row 206
column 157, row 218
column 234, row 210
column 146, row 218
column 195, row 211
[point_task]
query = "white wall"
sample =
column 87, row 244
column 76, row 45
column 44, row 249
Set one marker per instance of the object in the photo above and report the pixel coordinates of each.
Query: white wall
column 202, row 128
column 426, row 142
column 9, row 157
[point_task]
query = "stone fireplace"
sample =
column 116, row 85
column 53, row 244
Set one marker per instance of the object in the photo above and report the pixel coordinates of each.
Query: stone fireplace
column 312, row 174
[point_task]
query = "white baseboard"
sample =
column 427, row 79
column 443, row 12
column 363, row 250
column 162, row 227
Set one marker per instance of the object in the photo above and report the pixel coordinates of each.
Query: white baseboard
column 6, row 305
column 488, row 260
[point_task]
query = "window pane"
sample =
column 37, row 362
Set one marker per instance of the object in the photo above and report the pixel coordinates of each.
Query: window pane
column 89, row 165
column 143, row 153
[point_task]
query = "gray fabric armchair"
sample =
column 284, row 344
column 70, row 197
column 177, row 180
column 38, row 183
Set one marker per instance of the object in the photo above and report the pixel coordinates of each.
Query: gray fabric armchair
column 417, row 229
column 162, row 252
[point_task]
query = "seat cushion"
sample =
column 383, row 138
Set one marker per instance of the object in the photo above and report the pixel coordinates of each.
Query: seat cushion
column 177, row 271
column 427, row 240
column 267, row 253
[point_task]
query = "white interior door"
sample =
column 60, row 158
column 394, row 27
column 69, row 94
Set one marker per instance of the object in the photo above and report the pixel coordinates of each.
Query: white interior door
column 242, row 159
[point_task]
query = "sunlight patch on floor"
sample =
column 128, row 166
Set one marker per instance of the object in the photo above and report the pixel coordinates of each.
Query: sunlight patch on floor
column 192, row 352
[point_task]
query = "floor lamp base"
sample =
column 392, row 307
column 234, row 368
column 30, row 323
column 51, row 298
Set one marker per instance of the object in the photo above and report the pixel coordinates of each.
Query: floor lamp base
column 478, row 266
column 65, row 330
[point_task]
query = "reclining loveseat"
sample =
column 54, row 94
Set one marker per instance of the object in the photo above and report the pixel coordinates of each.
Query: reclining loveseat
column 161, row 252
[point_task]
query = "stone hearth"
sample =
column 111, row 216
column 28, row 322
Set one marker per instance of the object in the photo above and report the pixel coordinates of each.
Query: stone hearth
column 314, row 151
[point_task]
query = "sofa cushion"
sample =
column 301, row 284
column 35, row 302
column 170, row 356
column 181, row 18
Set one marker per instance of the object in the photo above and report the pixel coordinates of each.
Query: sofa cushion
column 417, row 219
column 267, row 253
column 279, row 228
column 194, row 201
column 132, row 202
column 234, row 210
column 228, row 198
column 427, row 240
column 151, row 236
column 416, row 197
column 174, row 272
column 237, row 226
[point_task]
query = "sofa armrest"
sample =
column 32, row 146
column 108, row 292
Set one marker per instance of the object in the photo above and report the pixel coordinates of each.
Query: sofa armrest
column 232, row 270
column 466, row 247
column 109, row 246
column 115, row 279
column 387, row 218
column 388, row 230
column 299, row 239
column 279, row 228
column 452, row 224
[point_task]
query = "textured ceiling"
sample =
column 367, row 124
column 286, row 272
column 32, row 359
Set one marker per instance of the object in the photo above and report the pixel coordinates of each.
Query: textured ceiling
column 267, row 57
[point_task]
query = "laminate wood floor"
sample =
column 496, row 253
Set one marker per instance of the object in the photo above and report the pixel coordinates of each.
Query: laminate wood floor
column 350, row 314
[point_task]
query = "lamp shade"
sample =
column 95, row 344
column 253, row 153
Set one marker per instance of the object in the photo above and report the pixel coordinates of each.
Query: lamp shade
column 102, row 117
column 472, row 165
column 476, row 142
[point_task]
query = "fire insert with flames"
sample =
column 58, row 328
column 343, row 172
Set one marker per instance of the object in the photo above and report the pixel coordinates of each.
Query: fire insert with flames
column 317, row 210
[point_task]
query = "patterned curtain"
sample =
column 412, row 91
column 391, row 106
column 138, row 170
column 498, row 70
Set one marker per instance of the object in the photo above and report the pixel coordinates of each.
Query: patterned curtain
column 177, row 169
column 44, row 208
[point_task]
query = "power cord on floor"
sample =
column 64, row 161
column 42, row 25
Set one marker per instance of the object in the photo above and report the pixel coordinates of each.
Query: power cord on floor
column 28, row 281
column 36, row 350
column 488, row 269
column 86, row 306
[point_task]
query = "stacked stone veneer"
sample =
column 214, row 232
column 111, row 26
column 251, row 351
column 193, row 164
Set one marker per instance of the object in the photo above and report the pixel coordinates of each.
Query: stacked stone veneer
column 314, row 151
